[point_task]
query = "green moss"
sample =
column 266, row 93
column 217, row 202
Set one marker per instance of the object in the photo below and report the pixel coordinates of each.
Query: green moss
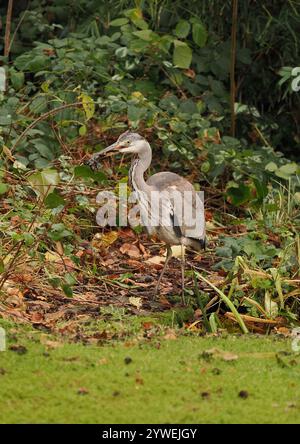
column 176, row 317
column 167, row 381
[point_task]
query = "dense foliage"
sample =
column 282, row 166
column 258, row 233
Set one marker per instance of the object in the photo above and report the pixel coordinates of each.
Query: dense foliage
column 78, row 73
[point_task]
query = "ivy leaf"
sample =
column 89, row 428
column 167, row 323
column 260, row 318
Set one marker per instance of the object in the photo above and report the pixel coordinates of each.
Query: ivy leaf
column 44, row 181
column 182, row 55
column 85, row 172
column 54, row 200
column 58, row 232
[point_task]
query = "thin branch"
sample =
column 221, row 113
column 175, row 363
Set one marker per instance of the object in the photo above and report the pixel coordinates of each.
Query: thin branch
column 43, row 117
column 7, row 28
column 16, row 30
column 232, row 64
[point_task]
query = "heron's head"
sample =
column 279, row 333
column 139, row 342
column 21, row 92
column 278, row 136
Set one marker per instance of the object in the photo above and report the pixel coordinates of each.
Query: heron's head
column 128, row 143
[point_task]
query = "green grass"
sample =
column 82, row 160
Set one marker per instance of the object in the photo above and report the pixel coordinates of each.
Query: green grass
column 166, row 382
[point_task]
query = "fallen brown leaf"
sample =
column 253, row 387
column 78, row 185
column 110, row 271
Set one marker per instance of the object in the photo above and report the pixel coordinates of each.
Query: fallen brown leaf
column 130, row 250
column 170, row 335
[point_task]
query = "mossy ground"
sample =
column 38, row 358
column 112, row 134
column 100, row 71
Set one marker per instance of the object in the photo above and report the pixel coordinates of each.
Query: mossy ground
column 159, row 380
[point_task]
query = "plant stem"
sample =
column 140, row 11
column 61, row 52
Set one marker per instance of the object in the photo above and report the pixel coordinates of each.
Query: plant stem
column 227, row 302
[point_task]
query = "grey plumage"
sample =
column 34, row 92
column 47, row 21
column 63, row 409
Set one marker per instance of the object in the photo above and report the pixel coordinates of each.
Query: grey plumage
column 175, row 194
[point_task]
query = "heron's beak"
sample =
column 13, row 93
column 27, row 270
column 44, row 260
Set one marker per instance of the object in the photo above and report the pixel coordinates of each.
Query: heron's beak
column 110, row 148
column 95, row 160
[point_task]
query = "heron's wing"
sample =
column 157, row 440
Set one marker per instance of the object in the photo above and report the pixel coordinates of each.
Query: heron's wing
column 187, row 210
column 182, row 206
column 164, row 179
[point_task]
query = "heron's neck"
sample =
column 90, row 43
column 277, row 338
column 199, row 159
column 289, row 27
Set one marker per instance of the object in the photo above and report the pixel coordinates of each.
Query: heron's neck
column 137, row 170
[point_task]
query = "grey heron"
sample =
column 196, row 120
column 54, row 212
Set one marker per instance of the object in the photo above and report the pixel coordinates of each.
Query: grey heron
column 163, row 199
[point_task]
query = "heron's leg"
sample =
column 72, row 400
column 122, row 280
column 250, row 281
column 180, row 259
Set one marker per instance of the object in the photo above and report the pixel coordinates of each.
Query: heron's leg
column 182, row 274
column 169, row 255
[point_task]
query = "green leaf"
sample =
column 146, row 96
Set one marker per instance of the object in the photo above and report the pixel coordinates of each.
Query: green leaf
column 70, row 279
column 119, row 22
column 67, row 290
column 37, row 63
column 205, row 167
column 99, row 177
column 138, row 45
column 17, row 79
column 44, row 181
column 54, row 200
column 58, row 232
column 135, row 113
column 145, row 34
column 39, row 104
column 2, row 267
column 83, row 171
column 271, row 166
column 44, row 150
column 239, row 195
column 121, row 52
column 140, row 23
column 136, row 16
column 3, row 188
column 261, row 189
column 88, row 105
column 82, row 130
column 28, row 238
column 213, row 323
column 286, row 171
column 182, row 55
column 297, row 198
column 182, row 29
column 199, row 34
